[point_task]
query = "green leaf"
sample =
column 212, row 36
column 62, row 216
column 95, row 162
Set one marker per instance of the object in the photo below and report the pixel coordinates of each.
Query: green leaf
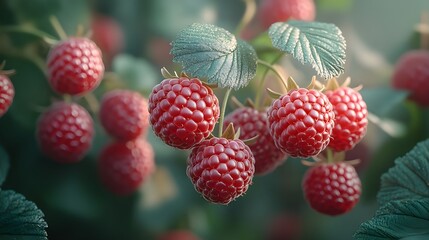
column 375, row 99
column 4, row 165
column 210, row 52
column 138, row 74
column 20, row 218
column 409, row 178
column 320, row 44
column 401, row 219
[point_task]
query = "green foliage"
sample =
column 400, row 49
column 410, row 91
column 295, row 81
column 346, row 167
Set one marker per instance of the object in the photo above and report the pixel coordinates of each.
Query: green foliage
column 375, row 99
column 409, row 178
column 20, row 218
column 137, row 73
column 320, row 44
column 207, row 51
column 401, row 219
column 4, row 165
column 403, row 197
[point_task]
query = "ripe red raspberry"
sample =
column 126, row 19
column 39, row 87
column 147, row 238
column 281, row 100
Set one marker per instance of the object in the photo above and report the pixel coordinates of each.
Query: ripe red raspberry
column 124, row 114
column 183, row 111
column 332, row 189
column 301, row 122
column 7, row 92
column 124, row 166
column 412, row 74
column 272, row 11
column 65, row 132
column 350, row 118
column 221, row 169
column 75, row 66
column 254, row 123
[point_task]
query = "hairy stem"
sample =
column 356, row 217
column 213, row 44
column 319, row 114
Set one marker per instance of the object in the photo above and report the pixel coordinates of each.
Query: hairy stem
column 261, row 82
column 274, row 70
column 222, row 110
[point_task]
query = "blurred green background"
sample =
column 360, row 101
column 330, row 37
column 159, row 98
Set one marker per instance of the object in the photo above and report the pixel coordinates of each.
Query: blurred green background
column 75, row 203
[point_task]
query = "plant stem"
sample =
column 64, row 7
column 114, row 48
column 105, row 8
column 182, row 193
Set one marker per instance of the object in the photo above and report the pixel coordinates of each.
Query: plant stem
column 92, row 101
column 58, row 28
column 249, row 13
column 222, row 110
column 32, row 31
column 261, row 82
column 275, row 71
column 330, row 154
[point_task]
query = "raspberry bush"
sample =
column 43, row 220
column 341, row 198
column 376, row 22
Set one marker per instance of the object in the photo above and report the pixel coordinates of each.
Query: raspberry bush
column 105, row 146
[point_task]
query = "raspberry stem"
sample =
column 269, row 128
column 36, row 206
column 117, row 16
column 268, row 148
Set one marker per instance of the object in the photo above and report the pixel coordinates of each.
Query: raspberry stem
column 275, row 71
column 222, row 110
column 330, row 155
column 58, row 28
column 261, row 82
column 35, row 32
column 249, row 13
column 92, row 101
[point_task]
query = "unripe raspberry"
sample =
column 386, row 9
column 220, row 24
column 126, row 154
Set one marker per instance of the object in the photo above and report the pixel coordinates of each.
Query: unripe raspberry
column 350, row 118
column 183, row 112
column 254, row 123
column 332, row 189
column 301, row 122
column 124, row 166
column 124, row 114
column 75, row 66
column 65, row 132
column 221, row 169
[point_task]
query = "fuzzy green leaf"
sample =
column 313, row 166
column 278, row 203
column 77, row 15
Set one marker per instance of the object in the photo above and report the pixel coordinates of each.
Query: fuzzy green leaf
column 213, row 53
column 320, row 44
column 4, row 165
column 20, row 218
column 409, row 178
column 401, row 219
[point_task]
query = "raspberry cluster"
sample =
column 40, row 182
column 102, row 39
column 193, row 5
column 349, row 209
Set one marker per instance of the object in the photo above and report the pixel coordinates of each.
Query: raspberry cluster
column 308, row 123
column 125, row 163
column 65, row 130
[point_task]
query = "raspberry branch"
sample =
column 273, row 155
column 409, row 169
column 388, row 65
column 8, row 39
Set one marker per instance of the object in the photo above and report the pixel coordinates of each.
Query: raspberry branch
column 222, row 110
column 58, row 28
column 275, row 71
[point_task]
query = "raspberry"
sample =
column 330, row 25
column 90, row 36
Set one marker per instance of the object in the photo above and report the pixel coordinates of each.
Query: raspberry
column 301, row 122
column 124, row 114
column 332, row 189
column 65, row 132
column 412, row 74
column 272, row 11
column 221, row 169
column 75, row 66
column 124, row 166
column 7, row 92
column 254, row 123
column 183, row 111
column 350, row 118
